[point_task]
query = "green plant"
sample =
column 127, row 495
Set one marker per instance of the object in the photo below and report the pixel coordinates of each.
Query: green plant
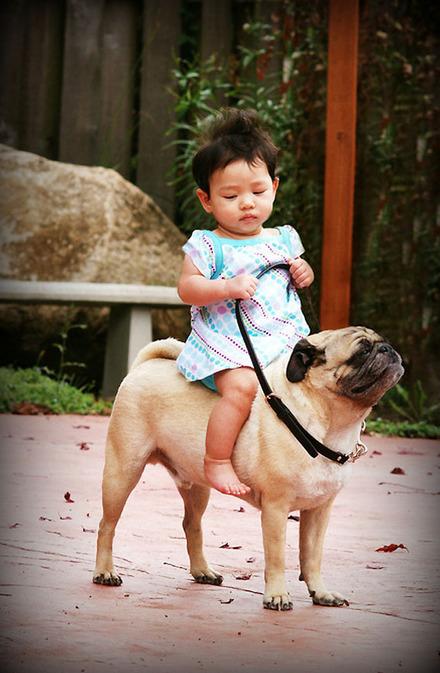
column 279, row 70
column 396, row 243
column 411, row 404
column 66, row 370
column 423, row 430
column 33, row 386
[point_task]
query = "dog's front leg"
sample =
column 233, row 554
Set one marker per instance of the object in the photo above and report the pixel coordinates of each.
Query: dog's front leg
column 313, row 524
column 273, row 522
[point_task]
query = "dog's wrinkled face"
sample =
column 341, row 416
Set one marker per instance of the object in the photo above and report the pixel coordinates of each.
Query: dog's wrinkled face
column 353, row 361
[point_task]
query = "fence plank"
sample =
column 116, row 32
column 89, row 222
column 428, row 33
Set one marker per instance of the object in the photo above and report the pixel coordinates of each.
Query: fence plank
column 12, row 40
column 340, row 164
column 217, row 28
column 31, row 46
column 161, row 32
column 81, row 82
column 98, row 83
column 42, row 78
column 119, row 54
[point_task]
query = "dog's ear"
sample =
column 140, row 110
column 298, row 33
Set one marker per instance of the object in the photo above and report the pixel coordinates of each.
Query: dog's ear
column 302, row 357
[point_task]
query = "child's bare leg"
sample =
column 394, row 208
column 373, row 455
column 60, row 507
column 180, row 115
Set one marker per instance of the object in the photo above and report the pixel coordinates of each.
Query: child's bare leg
column 237, row 388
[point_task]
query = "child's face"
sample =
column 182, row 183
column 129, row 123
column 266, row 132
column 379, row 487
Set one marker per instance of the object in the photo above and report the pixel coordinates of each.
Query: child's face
column 241, row 198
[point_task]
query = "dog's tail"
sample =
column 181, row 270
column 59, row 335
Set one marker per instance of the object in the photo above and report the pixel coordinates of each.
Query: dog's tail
column 164, row 348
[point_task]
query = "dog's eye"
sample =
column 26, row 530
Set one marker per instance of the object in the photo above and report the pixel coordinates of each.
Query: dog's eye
column 366, row 348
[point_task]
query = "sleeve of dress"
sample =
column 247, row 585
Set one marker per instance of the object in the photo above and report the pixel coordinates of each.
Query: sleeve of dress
column 293, row 241
column 200, row 250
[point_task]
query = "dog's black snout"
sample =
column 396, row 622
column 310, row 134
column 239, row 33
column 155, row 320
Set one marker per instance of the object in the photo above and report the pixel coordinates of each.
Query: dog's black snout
column 388, row 350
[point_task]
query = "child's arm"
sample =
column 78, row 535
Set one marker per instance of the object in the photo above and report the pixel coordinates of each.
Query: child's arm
column 301, row 272
column 193, row 288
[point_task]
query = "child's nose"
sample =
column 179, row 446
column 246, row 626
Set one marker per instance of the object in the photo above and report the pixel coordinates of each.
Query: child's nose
column 248, row 201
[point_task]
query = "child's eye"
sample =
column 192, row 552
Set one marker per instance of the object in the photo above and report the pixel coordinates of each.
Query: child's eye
column 229, row 197
column 262, row 192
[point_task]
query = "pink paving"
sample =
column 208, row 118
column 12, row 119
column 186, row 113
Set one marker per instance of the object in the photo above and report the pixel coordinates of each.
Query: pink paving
column 54, row 620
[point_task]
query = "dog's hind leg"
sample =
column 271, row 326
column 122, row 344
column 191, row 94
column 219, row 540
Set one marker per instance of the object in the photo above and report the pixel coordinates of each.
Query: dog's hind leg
column 312, row 527
column 195, row 500
column 121, row 474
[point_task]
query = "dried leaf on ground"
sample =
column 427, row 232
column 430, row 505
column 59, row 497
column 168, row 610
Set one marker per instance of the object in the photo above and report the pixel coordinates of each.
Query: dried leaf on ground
column 83, row 446
column 392, row 547
column 67, row 497
column 243, row 576
column 226, row 545
column 397, row 470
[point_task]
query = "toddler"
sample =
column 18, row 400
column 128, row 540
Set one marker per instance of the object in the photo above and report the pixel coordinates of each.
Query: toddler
column 235, row 173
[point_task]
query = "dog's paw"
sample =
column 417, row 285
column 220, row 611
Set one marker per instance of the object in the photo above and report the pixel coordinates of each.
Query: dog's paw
column 280, row 602
column 107, row 578
column 208, row 577
column 329, row 598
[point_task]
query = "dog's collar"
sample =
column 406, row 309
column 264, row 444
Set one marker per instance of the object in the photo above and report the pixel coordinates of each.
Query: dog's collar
column 312, row 445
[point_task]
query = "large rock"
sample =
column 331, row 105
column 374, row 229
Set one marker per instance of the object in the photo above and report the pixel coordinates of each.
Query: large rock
column 65, row 222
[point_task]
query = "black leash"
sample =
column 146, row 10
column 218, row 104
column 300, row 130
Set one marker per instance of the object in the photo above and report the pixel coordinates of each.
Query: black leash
column 310, row 443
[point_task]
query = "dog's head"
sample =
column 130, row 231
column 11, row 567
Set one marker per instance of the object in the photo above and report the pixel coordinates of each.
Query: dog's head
column 354, row 362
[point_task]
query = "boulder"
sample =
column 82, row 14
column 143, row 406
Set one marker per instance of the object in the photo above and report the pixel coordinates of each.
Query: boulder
column 65, row 222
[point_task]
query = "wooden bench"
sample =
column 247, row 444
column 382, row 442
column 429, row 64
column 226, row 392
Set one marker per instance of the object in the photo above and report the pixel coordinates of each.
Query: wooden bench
column 130, row 325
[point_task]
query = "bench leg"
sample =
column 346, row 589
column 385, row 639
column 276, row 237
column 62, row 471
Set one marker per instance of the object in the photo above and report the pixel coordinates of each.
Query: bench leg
column 129, row 330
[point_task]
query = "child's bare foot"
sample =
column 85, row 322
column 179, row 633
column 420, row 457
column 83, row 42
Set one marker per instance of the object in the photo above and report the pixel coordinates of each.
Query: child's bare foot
column 221, row 475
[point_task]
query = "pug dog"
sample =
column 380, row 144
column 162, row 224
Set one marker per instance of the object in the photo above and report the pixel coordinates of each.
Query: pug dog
column 330, row 381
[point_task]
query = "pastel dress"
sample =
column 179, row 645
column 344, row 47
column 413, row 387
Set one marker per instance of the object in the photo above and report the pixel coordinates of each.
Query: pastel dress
column 272, row 316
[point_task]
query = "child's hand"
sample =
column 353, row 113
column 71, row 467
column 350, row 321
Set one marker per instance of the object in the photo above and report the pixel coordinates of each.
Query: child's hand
column 241, row 287
column 301, row 272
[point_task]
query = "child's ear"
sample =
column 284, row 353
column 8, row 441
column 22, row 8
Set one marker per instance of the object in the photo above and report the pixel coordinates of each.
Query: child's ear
column 275, row 184
column 204, row 200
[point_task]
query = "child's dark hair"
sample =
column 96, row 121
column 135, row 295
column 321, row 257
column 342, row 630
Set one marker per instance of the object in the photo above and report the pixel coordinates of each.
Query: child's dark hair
column 232, row 135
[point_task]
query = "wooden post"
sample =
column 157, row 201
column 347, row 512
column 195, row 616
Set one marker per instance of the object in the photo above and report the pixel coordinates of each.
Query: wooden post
column 339, row 164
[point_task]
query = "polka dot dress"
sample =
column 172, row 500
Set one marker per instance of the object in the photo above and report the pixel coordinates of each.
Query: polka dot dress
column 273, row 316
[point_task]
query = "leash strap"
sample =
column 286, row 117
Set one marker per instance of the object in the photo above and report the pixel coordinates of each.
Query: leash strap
column 310, row 443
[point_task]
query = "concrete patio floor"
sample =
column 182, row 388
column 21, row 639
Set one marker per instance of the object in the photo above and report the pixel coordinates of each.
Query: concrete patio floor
column 54, row 620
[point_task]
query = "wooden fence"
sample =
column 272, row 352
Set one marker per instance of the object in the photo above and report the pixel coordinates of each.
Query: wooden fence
column 89, row 81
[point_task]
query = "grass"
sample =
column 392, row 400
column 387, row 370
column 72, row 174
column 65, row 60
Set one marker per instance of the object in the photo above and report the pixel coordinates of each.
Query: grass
column 57, row 397
column 420, row 429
